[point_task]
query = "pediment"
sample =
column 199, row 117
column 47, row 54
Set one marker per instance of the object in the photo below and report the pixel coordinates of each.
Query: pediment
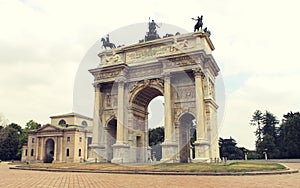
column 49, row 127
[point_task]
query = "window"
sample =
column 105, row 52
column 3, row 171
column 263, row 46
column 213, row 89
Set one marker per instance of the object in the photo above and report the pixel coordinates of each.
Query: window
column 84, row 123
column 68, row 139
column 68, row 152
column 32, row 152
column 26, row 152
column 62, row 122
column 79, row 153
column 32, row 140
column 80, row 139
column 90, row 140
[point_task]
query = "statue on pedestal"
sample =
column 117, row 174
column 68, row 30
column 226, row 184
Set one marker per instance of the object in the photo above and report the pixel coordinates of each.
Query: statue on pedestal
column 106, row 43
column 199, row 23
column 152, row 34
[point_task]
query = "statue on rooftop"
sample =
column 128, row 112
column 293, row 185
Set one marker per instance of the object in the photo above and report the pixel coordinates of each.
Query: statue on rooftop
column 199, row 23
column 106, row 43
column 152, row 33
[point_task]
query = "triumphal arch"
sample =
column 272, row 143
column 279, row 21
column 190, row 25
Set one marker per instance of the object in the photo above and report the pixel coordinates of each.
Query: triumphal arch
column 182, row 69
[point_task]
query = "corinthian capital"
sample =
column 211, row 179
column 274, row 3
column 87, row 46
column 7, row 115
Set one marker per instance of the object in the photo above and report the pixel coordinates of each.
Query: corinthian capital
column 198, row 72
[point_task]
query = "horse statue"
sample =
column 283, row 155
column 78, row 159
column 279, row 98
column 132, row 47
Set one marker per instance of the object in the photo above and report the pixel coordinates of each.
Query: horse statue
column 107, row 44
column 199, row 23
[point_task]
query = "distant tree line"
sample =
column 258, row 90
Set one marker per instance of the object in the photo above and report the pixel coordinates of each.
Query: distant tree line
column 278, row 140
column 12, row 138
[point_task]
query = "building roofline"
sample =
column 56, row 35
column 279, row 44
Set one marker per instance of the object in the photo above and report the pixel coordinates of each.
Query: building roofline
column 72, row 114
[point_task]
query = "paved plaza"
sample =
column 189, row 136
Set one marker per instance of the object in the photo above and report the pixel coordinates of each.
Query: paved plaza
column 21, row 178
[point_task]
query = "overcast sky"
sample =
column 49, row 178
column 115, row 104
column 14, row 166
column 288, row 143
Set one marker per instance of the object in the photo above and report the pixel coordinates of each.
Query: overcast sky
column 42, row 44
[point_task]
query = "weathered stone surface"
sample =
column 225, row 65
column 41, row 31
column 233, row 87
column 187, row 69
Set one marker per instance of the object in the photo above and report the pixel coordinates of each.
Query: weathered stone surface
column 180, row 68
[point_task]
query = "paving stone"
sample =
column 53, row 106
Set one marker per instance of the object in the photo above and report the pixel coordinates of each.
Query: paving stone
column 32, row 179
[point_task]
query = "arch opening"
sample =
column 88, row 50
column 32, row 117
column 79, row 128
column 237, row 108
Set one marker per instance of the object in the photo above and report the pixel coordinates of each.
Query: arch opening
column 141, row 119
column 111, row 137
column 49, row 151
column 187, row 137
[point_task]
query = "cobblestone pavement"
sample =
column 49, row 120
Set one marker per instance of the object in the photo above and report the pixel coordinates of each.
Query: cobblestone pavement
column 21, row 178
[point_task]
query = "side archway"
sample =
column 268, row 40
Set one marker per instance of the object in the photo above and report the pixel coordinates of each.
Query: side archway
column 187, row 137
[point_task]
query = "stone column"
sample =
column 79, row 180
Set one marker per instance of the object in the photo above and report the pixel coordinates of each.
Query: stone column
column 97, row 145
column 120, row 149
column 61, row 149
column 168, row 109
column 120, row 113
column 96, row 121
column 169, row 147
column 201, row 144
column 42, row 148
column 56, row 148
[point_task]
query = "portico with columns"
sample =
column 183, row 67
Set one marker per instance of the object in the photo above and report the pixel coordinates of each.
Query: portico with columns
column 129, row 77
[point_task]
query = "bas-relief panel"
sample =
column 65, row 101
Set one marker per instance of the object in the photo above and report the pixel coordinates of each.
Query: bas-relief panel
column 143, row 72
column 102, row 75
column 185, row 93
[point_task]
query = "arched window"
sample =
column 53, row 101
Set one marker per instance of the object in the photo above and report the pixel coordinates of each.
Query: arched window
column 68, row 152
column 32, row 152
column 62, row 122
column 26, row 151
column 84, row 123
column 79, row 153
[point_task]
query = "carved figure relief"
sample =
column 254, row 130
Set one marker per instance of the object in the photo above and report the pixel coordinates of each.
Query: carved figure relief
column 179, row 45
column 114, row 58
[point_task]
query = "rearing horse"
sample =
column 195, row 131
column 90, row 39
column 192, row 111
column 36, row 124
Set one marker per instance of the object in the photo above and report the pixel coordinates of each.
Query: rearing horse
column 107, row 44
column 199, row 23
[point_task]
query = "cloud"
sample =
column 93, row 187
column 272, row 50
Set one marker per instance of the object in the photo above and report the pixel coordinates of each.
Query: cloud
column 43, row 42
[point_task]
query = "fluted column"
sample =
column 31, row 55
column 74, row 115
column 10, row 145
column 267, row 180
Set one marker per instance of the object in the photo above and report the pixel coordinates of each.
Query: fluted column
column 97, row 122
column 120, row 113
column 201, row 144
column 169, row 147
column 199, row 104
column 168, row 109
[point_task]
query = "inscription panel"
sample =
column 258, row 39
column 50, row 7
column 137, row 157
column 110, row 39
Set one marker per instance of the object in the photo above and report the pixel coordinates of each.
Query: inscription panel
column 146, row 53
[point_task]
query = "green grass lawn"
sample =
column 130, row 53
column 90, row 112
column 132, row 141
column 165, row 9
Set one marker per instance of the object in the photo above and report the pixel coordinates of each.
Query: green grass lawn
column 169, row 167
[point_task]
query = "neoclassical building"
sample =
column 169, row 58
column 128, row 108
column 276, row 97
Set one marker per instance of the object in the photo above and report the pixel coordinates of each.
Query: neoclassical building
column 65, row 139
column 182, row 69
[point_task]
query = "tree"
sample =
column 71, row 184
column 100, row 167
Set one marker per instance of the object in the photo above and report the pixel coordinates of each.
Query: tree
column 9, row 142
column 156, row 137
column 30, row 125
column 269, row 124
column 289, row 134
column 229, row 149
column 267, row 133
column 256, row 121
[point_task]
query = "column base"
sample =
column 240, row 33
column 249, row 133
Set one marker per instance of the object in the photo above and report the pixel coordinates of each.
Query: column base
column 169, row 152
column 98, row 153
column 121, row 153
column 202, row 151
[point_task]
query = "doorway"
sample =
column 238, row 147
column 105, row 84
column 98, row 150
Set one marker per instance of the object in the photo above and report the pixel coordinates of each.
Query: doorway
column 49, row 151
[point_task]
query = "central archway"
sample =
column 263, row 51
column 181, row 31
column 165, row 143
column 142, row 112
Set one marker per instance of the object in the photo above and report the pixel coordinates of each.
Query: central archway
column 49, row 151
column 139, row 102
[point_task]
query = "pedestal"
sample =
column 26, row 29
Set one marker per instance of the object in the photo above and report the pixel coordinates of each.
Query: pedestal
column 169, row 152
column 99, row 153
column 201, row 151
column 120, row 154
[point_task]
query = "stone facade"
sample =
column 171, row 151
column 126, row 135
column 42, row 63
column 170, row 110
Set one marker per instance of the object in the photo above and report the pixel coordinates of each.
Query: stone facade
column 180, row 68
column 66, row 139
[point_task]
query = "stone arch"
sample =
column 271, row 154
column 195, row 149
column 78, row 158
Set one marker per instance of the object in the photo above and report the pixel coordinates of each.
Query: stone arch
column 186, row 137
column 111, row 136
column 49, row 150
column 139, row 100
column 150, row 85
